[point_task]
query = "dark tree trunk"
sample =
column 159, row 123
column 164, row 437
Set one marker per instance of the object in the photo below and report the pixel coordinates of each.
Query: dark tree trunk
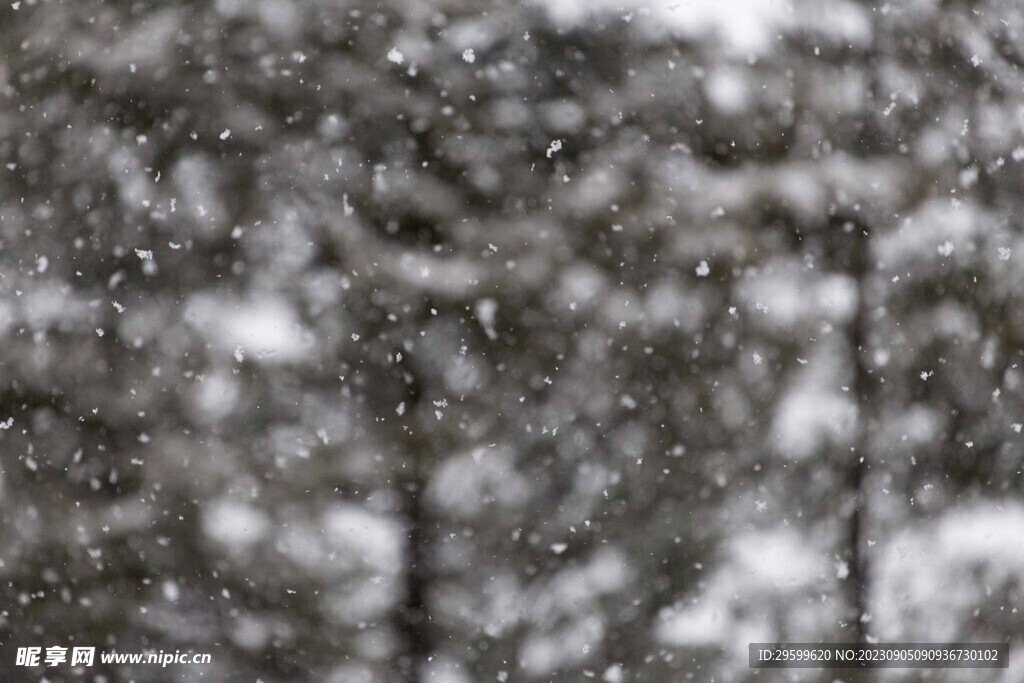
column 855, row 500
column 855, row 510
column 413, row 614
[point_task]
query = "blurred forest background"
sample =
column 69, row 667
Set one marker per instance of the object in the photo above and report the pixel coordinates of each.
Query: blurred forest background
column 364, row 341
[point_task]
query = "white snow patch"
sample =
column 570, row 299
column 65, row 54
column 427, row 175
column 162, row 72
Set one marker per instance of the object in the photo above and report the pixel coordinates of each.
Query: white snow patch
column 467, row 484
column 171, row 591
column 741, row 26
column 215, row 397
column 613, row 674
column 727, row 90
column 570, row 645
column 234, row 524
column 935, row 227
column 486, row 311
column 811, row 417
column 267, row 326
column 364, row 537
column 764, row 571
column 789, row 296
column 358, row 551
column 977, row 549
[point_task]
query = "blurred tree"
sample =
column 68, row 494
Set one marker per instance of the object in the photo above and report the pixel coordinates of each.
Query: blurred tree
column 410, row 340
